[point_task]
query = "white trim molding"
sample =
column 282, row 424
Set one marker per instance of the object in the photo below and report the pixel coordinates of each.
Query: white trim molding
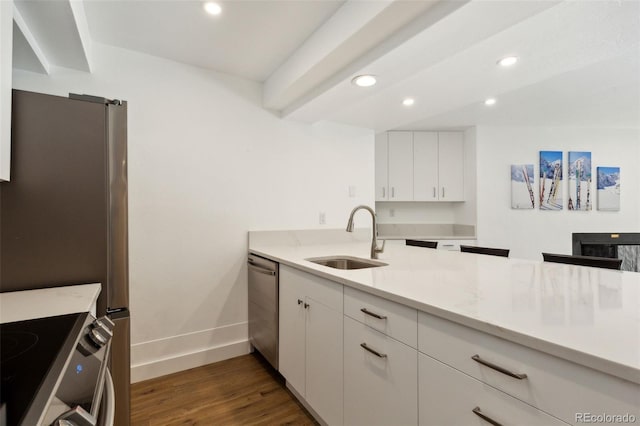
column 177, row 353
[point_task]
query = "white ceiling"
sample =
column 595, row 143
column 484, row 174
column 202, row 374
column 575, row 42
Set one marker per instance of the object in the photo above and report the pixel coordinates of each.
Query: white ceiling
column 249, row 39
column 579, row 60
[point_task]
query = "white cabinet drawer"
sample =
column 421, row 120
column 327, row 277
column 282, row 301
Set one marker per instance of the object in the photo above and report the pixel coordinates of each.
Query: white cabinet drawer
column 449, row 397
column 378, row 390
column 454, row 245
column 554, row 385
column 390, row 318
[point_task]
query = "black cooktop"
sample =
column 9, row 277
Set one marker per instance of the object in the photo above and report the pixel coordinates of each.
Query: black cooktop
column 28, row 354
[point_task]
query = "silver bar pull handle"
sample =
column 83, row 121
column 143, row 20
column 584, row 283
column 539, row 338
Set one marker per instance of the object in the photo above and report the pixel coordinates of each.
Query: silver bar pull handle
column 443, row 192
column 393, row 192
column 434, row 192
column 373, row 314
column 484, row 417
column 491, row 365
column 261, row 270
column 384, row 192
column 373, row 351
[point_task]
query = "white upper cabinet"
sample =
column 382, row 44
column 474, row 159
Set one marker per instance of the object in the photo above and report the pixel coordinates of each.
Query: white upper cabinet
column 400, row 166
column 382, row 167
column 425, row 166
column 420, row 166
column 451, row 166
column 6, row 46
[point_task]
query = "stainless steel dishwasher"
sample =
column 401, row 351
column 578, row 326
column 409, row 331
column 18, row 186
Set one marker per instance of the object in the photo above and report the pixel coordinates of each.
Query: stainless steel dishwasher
column 263, row 307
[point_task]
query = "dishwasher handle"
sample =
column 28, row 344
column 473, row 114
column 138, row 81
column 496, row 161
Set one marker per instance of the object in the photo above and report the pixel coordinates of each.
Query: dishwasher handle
column 261, row 270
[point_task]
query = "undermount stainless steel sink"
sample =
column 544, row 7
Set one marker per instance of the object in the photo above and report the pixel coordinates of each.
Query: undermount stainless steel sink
column 346, row 262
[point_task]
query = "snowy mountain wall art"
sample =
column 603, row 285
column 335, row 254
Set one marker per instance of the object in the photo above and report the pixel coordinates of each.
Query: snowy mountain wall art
column 522, row 186
column 551, row 180
column 580, row 196
column 609, row 188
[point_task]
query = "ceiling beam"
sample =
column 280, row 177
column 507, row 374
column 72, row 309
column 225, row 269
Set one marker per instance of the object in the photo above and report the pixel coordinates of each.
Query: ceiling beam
column 82, row 26
column 60, row 29
column 358, row 32
column 27, row 53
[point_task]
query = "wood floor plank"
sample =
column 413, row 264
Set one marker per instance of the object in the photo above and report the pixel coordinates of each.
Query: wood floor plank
column 239, row 391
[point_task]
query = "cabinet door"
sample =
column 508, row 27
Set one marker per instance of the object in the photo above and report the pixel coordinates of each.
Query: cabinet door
column 324, row 361
column 381, row 161
column 451, row 166
column 425, row 166
column 292, row 329
column 400, row 166
column 6, row 44
column 378, row 389
column 449, row 397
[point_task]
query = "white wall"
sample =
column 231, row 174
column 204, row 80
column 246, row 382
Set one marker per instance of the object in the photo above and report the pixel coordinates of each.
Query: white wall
column 529, row 232
column 415, row 212
column 465, row 213
column 207, row 164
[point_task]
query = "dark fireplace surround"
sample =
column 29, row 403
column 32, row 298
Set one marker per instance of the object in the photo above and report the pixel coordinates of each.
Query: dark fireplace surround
column 603, row 244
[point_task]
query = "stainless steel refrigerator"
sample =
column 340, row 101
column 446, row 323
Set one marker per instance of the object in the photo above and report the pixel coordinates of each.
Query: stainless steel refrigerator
column 63, row 214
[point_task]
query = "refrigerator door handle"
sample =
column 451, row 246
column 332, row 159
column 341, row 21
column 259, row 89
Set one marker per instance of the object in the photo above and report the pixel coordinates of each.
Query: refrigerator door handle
column 115, row 313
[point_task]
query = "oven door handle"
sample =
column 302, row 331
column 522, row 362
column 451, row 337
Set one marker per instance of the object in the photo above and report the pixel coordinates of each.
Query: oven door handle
column 108, row 403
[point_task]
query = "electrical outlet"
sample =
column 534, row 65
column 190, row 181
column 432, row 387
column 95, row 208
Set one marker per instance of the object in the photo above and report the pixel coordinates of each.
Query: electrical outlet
column 322, row 218
column 392, row 212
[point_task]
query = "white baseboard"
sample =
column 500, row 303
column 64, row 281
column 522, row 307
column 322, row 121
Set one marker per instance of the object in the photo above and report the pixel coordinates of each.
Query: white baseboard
column 177, row 353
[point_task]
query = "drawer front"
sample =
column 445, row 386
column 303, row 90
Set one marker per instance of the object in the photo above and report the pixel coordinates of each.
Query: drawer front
column 554, row 385
column 322, row 290
column 449, row 397
column 378, row 390
column 397, row 321
column 453, row 245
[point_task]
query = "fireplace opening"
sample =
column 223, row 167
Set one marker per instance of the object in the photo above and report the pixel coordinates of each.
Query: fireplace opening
column 600, row 250
column 625, row 246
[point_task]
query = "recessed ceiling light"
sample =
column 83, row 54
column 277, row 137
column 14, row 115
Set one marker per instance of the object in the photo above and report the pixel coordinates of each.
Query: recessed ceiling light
column 408, row 101
column 212, row 8
column 508, row 61
column 490, row 101
column 364, row 80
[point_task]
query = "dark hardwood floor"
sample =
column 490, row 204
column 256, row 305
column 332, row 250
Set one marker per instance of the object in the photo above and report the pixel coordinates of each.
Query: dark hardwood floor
column 239, row 391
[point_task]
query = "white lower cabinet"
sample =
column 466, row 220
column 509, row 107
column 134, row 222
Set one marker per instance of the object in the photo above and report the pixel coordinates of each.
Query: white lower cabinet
column 353, row 358
column 310, row 342
column 454, row 245
column 324, row 361
column 556, row 386
column 449, row 397
column 380, row 378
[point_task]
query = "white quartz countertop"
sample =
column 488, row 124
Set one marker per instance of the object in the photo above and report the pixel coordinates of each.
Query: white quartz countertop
column 589, row 316
column 426, row 237
column 47, row 302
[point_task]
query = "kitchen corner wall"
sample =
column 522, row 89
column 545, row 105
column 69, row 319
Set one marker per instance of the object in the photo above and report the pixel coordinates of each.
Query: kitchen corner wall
column 529, row 232
column 206, row 164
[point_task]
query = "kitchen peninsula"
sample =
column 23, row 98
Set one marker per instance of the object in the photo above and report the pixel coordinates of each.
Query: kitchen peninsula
column 505, row 337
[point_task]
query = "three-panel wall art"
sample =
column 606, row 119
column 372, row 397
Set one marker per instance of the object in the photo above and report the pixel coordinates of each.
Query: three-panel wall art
column 551, row 193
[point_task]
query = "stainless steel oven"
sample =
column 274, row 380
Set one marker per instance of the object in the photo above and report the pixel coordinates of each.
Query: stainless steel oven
column 54, row 370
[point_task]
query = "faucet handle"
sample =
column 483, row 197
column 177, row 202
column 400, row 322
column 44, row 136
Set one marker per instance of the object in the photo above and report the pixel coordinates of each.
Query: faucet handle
column 381, row 249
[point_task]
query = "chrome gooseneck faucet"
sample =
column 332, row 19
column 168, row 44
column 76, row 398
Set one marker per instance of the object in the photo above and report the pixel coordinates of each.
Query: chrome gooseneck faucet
column 374, row 242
